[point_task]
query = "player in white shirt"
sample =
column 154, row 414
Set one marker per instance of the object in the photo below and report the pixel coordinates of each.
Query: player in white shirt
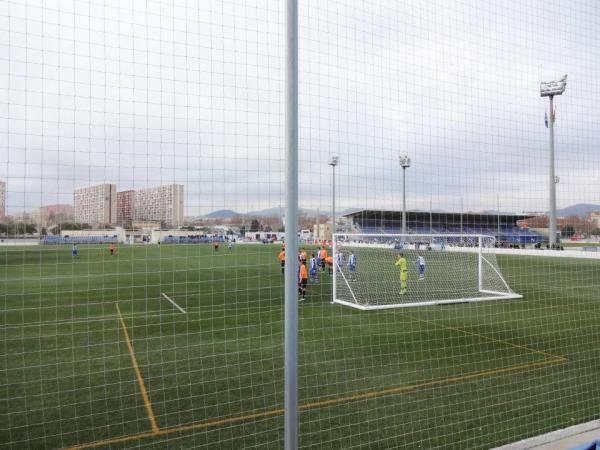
column 314, row 277
column 421, row 266
column 340, row 261
column 352, row 266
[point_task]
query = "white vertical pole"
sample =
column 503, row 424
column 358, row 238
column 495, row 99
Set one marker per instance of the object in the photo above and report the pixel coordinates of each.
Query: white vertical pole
column 334, row 239
column 552, row 178
column 291, row 228
column 430, row 217
column 461, row 220
column 480, row 262
column 333, row 201
column 403, row 200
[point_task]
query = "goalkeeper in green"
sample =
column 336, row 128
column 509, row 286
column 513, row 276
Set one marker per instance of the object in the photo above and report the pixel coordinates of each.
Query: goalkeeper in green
column 403, row 265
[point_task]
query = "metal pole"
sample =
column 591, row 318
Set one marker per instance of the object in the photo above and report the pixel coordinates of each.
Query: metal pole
column 461, row 220
column 333, row 201
column 480, row 263
column 552, row 224
column 430, row 217
column 403, row 200
column 498, row 206
column 291, row 229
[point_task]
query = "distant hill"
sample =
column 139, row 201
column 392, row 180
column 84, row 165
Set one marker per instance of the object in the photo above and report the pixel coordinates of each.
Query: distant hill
column 278, row 211
column 222, row 214
column 581, row 210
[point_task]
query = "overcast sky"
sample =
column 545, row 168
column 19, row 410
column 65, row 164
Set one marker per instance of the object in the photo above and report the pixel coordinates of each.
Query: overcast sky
column 146, row 92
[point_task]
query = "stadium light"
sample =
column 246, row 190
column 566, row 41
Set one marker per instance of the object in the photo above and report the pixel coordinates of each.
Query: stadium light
column 405, row 164
column 333, row 161
column 550, row 89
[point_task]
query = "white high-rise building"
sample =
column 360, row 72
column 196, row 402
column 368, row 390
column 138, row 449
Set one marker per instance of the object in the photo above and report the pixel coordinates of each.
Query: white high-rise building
column 160, row 203
column 96, row 205
column 2, row 200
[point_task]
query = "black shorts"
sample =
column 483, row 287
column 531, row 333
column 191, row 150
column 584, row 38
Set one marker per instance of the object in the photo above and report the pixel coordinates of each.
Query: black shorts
column 303, row 283
column 323, row 263
column 282, row 263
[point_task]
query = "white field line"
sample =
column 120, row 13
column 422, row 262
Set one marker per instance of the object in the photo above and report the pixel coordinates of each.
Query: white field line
column 174, row 304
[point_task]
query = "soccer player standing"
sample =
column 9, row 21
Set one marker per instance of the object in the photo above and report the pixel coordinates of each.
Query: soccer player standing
column 324, row 258
column 313, row 269
column 302, row 280
column 401, row 263
column 421, row 266
column 281, row 258
column 329, row 261
column 352, row 266
column 340, row 261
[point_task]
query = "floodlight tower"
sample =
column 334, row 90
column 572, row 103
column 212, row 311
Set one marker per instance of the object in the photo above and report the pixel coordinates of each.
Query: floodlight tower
column 333, row 161
column 550, row 89
column 405, row 164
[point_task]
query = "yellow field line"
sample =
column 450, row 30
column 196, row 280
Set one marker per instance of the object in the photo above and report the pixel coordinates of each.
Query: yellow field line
column 483, row 336
column 138, row 374
column 317, row 404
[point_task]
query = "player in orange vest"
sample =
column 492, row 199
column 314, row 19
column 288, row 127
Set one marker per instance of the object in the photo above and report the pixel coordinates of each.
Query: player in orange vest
column 281, row 259
column 329, row 261
column 302, row 280
column 111, row 249
column 323, row 258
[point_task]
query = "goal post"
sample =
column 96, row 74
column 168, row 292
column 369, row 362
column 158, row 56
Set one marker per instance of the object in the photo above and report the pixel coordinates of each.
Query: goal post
column 437, row 269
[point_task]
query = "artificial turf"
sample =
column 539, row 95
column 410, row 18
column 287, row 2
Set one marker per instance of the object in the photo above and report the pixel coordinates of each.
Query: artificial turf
column 455, row 376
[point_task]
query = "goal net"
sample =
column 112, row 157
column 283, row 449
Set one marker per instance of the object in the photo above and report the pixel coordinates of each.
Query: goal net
column 378, row 271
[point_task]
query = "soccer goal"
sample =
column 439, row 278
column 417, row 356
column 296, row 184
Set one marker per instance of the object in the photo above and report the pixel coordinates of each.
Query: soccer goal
column 437, row 269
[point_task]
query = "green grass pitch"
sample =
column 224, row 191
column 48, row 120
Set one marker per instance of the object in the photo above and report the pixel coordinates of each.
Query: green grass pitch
column 453, row 377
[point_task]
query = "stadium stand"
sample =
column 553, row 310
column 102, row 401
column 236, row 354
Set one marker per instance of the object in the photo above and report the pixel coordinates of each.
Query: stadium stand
column 80, row 239
column 503, row 227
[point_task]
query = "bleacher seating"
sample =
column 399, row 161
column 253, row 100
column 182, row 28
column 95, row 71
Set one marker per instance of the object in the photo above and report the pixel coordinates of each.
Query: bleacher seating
column 80, row 239
column 192, row 239
column 511, row 235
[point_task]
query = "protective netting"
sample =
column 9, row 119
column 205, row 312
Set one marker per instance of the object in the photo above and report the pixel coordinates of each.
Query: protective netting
column 142, row 222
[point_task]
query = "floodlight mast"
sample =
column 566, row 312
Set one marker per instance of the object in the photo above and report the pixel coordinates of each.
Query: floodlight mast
column 550, row 89
column 405, row 164
column 333, row 161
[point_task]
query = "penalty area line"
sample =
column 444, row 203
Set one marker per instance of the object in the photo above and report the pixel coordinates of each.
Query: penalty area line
column 174, row 304
column 138, row 374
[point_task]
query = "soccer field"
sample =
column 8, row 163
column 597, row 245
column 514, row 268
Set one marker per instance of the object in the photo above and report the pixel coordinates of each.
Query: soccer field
column 96, row 354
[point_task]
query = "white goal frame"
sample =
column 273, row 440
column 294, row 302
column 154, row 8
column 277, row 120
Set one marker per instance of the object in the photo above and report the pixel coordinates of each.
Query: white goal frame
column 488, row 294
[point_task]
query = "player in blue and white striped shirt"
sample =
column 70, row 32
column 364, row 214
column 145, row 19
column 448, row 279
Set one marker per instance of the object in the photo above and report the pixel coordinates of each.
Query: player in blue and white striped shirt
column 352, row 266
column 340, row 261
column 421, row 266
column 313, row 269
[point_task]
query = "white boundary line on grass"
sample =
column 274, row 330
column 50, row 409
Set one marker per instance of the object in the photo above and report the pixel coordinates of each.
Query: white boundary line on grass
column 174, row 304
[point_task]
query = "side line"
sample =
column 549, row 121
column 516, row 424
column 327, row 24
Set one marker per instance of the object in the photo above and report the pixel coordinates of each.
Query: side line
column 483, row 336
column 317, row 404
column 174, row 304
column 138, row 374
